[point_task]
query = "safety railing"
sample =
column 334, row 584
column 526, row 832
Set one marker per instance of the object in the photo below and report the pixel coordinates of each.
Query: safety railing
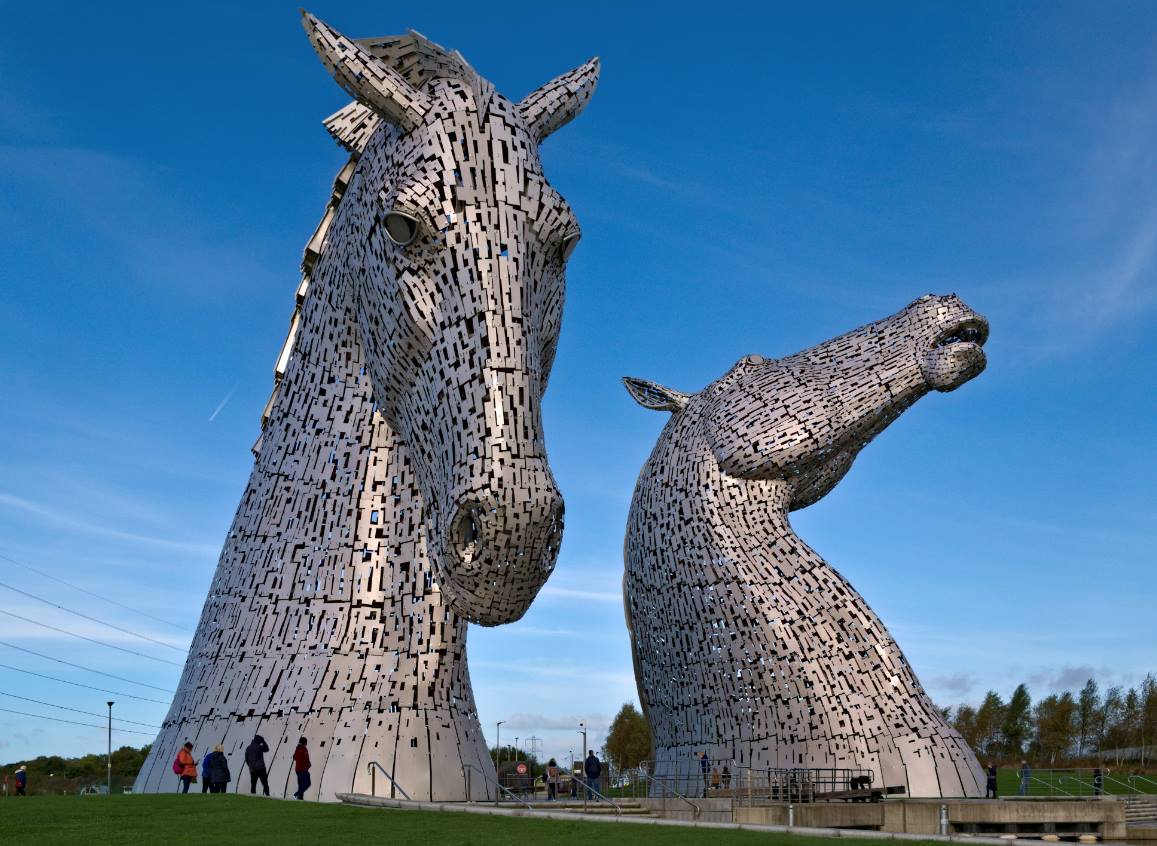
column 588, row 791
column 374, row 767
column 1086, row 781
column 664, row 788
column 470, row 768
column 747, row 785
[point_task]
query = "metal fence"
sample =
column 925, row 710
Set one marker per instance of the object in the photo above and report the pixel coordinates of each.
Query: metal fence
column 746, row 785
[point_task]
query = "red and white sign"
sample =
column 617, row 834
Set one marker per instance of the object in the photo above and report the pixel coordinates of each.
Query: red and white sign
column 520, row 769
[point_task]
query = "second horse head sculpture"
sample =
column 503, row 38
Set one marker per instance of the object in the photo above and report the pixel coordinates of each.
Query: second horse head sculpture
column 747, row 643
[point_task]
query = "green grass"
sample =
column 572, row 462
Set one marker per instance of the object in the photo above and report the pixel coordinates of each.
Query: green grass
column 147, row 820
column 1052, row 783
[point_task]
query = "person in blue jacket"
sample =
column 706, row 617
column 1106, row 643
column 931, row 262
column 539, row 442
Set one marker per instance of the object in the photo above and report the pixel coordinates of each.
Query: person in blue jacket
column 205, row 773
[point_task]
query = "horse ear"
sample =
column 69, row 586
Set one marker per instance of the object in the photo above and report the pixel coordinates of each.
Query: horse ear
column 559, row 101
column 357, row 71
column 654, row 396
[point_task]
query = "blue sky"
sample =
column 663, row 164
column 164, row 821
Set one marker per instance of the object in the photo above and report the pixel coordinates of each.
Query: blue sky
column 753, row 180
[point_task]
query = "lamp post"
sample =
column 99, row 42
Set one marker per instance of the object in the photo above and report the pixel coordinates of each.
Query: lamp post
column 110, row 704
column 498, row 744
column 516, row 749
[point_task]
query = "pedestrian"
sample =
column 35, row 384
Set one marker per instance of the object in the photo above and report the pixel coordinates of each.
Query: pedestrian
column 704, row 770
column 574, row 781
column 726, row 778
column 255, row 760
column 1098, row 782
column 301, row 767
column 1025, row 776
column 716, row 780
column 593, row 769
column 551, row 780
column 219, row 776
column 187, row 765
column 206, row 783
column 22, row 781
column 990, row 785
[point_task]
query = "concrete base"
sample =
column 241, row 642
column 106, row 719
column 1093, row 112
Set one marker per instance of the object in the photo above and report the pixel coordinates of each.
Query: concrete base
column 1103, row 817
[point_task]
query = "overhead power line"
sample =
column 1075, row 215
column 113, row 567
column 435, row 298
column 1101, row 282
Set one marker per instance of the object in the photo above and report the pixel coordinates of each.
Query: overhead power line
column 86, row 686
column 77, row 710
column 92, row 619
column 82, row 667
column 75, row 723
column 39, row 572
column 90, row 639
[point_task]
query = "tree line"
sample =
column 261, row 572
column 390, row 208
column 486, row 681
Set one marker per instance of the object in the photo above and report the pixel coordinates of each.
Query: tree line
column 1063, row 729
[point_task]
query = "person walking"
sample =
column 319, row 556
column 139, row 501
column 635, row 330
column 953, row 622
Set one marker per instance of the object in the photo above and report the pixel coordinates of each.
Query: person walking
column 551, row 780
column 187, row 765
column 301, row 767
column 990, row 785
column 593, row 769
column 1098, row 782
column 716, row 779
column 255, row 761
column 1025, row 775
column 205, row 782
column 726, row 778
column 22, row 781
column 219, row 776
column 704, row 770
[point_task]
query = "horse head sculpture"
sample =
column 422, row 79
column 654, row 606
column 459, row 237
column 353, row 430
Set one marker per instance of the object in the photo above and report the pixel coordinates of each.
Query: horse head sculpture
column 455, row 250
column 746, row 642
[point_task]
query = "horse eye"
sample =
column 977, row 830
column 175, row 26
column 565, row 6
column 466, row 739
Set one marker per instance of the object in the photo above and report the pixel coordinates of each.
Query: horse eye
column 568, row 245
column 401, row 228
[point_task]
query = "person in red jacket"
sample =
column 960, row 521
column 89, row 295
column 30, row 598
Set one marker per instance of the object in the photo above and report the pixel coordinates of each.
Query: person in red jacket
column 301, row 767
column 187, row 765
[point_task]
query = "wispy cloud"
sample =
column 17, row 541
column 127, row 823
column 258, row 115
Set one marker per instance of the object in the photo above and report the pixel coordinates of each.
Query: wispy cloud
column 593, row 595
column 62, row 518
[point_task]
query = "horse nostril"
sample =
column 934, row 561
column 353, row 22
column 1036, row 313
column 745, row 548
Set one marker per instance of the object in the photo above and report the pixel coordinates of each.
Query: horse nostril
column 466, row 534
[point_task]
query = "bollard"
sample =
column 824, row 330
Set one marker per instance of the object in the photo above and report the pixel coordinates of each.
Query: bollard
column 943, row 820
column 790, row 815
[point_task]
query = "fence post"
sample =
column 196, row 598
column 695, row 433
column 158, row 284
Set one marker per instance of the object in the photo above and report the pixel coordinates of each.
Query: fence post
column 373, row 781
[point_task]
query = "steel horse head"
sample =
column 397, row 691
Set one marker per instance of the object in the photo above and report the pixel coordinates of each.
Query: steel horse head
column 453, row 251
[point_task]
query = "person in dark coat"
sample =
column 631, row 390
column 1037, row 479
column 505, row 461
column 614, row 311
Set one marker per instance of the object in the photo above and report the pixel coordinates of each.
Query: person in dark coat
column 255, row 760
column 301, row 767
column 219, row 777
column 206, row 783
column 593, row 769
column 990, row 787
column 22, row 781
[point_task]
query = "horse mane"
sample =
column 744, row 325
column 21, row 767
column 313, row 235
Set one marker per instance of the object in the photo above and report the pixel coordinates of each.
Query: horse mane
column 419, row 60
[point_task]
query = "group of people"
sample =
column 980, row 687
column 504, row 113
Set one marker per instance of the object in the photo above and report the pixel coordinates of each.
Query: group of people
column 712, row 777
column 214, row 768
column 592, row 769
column 1025, row 774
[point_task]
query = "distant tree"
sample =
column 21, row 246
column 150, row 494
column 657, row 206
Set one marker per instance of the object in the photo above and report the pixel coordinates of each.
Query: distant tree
column 629, row 739
column 1109, row 728
column 1088, row 706
column 1148, row 730
column 945, row 712
column 964, row 722
column 1017, row 725
column 989, row 719
column 1055, row 726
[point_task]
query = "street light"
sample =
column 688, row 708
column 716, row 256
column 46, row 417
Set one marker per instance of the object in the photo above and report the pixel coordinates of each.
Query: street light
column 498, row 744
column 110, row 748
column 516, row 749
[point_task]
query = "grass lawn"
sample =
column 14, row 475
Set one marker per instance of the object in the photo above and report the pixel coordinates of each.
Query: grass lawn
column 148, row 820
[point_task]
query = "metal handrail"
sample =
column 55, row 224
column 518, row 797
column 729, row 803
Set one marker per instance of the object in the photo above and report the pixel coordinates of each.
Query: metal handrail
column 618, row 810
column 495, row 782
column 374, row 781
column 673, row 792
